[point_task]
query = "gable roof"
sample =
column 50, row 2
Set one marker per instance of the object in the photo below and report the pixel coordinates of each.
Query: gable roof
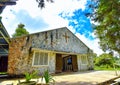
column 4, row 40
column 57, row 40
column 60, row 40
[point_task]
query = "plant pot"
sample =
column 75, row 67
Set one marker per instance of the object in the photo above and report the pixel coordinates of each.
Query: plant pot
column 27, row 83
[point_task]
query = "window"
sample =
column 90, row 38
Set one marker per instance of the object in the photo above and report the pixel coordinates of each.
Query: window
column 40, row 58
column 83, row 60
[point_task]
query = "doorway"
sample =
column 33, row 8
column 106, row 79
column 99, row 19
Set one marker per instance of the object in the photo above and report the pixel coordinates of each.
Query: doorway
column 66, row 63
column 3, row 63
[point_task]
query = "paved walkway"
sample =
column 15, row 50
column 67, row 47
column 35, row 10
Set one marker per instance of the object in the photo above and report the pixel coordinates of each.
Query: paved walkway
column 76, row 78
column 85, row 78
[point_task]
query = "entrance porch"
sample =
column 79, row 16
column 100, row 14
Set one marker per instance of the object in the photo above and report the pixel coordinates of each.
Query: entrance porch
column 66, row 63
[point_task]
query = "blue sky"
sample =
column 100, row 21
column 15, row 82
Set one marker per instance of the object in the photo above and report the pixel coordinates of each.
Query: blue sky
column 80, row 23
column 61, row 13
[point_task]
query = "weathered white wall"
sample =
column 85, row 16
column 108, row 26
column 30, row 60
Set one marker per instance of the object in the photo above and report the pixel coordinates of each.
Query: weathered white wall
column 79, row 62
column 82, row 66
column 60, row 40
column 52, row 62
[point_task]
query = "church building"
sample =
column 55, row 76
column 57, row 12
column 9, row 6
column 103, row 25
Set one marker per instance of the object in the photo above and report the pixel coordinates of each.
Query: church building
column 57, row 50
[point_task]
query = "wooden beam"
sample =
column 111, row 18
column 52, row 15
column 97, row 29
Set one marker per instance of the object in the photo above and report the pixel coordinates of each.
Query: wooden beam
column 4, row 0
column 55, row 51
column 3, row 54
column 1, row 37
column 4, row 49
column 3, row 44
column 3, row 28
column 7, row 0
column 7, row 3
column 4, row 37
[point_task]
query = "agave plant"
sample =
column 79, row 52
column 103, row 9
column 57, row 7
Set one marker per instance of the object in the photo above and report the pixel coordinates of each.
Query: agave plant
column 48, row 78
column 29, row 76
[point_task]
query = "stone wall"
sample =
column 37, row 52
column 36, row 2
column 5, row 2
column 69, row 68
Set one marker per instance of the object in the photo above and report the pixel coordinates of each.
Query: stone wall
column 60, row 40
column 21, row 57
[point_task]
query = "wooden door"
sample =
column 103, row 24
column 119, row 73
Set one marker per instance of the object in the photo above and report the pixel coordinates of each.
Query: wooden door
column 67, row 65
column 59, row 63
column 74, row 63
column 3, row 63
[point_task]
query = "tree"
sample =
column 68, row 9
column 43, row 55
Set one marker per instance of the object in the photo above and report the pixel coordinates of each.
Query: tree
column 105, row 60
column 94, row 57
column 41, row 3
column 20, row 31
column 107, row 15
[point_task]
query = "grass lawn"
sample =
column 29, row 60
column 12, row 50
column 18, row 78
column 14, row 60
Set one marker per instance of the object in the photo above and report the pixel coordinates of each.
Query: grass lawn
column 3, row 73
column 103, row 68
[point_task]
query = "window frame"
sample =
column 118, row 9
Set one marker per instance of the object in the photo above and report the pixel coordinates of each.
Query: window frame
column 34, row 59
column 84, row 60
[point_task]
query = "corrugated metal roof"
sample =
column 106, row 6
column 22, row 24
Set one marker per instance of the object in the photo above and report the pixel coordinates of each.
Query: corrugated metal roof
column 4, row 40
column 4, row 3
column 4, row 36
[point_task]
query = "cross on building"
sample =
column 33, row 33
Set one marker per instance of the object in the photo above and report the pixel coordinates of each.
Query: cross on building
column 66, row 37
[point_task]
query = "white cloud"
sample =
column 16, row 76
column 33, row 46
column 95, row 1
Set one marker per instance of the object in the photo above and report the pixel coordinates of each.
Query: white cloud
column 7, row 18
column 30, row 6
column 65, row 6
column 51, row 11
column 49, row 15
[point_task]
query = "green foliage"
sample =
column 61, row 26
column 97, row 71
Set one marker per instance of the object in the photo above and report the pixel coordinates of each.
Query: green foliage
column 107, row 15
column 20, row 31
column 94, row 57
column 104, row 68
column 41, row 3
column 1, row 73
column 48, row 78
column 0, row 18
column 29, row 76
column 117, row 62
column 105, row 60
